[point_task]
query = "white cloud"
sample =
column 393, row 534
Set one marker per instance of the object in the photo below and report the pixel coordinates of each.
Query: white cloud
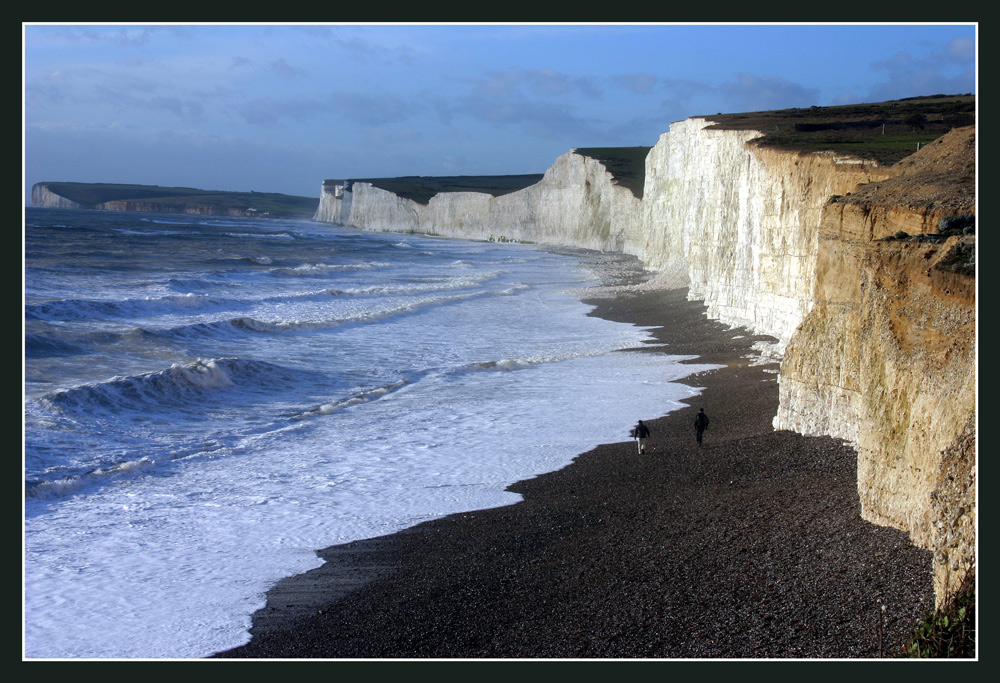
column 962, row 50
column 282, row 68
column 761, row 93
column 639, row 83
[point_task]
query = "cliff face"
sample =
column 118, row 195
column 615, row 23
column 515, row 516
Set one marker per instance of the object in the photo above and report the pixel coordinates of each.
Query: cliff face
column 575, row 204
column 886, row 359
column 187, row 209
column 877, row 337
column 41, row 195
column 179, row 200
column 742, row 221
column 737, row 225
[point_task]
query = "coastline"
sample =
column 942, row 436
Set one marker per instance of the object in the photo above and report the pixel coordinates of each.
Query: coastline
column 750, row 546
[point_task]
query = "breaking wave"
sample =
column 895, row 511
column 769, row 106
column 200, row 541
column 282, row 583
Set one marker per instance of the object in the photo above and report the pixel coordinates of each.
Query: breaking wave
column 375, row 393
column 245, row 324
column 181, row 385
column 89, row 309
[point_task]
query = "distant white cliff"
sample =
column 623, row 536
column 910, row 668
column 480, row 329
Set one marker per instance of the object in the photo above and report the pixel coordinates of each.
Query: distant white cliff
column 575, row 204
column 737, row 225
column 41, row 195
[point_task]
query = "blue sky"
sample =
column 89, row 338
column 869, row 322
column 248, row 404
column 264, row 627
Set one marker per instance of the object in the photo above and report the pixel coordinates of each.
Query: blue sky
column 280, row 108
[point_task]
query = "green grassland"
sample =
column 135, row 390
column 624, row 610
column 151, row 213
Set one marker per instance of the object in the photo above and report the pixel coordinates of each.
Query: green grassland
column 421, row 188
column 884, row 132
column 178, row 198
column 627, row 165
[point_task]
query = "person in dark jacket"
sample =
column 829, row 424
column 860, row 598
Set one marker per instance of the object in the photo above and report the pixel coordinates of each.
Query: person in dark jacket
column 700, row 424
column 641, row 433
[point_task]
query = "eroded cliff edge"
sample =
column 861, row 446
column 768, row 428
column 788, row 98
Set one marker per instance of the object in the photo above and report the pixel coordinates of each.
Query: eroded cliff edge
column 877, row 337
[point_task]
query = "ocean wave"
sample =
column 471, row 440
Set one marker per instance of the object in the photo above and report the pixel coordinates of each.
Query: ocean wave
column 368, row 395
column 512, row 364
column 189, row 284
column 253, row 260
column 42, row 346
column 364, row 396
column 146, row 233
column 246, row 324
column 420, row 286
column 165, row 221
column 88, row 309
column 68, row 485
column 262, row 235
column 178, row 385
column 319, row 269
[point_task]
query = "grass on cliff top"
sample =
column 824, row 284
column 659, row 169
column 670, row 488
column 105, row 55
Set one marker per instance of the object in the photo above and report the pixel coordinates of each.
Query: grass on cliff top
column 884, row 132
column 277, row 205
column 421, row 188
column 627, row 165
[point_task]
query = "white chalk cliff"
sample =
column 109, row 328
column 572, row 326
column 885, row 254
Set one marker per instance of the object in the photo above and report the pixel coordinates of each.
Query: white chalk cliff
column 736, row 224
column 41, row 195
column 576, row 203
column 754, row 233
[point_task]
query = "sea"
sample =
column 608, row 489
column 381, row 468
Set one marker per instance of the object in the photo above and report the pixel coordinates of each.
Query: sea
column 209, row 401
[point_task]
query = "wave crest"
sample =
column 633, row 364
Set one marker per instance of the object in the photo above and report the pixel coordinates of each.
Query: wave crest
column 177, row 385
column 65, row 486
column 88, row 309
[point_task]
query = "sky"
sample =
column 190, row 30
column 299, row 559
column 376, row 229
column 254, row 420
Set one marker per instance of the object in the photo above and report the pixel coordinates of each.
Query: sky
column 282, row 107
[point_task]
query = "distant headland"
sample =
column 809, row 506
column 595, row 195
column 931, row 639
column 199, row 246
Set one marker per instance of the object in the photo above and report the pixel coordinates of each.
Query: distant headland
column 186, row 200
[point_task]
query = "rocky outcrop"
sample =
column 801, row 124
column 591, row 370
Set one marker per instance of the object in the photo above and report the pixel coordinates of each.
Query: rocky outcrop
column 877, row 337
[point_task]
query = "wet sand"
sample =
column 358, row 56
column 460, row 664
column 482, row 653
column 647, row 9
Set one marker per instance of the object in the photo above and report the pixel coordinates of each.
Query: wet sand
column 748, row 546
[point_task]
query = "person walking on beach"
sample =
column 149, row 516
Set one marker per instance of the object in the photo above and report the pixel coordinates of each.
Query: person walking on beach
column 700, row 424
column 641, row 433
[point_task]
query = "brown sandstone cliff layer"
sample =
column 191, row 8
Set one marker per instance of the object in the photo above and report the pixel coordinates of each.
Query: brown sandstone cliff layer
column 887, row 356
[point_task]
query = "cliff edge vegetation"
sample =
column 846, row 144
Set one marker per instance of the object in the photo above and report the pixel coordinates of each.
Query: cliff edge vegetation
column 189, row 200
column 422, row 188
column 884, row 132
column 627, row 165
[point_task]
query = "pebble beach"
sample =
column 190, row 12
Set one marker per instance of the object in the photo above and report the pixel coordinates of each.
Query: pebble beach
column 749, row 546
